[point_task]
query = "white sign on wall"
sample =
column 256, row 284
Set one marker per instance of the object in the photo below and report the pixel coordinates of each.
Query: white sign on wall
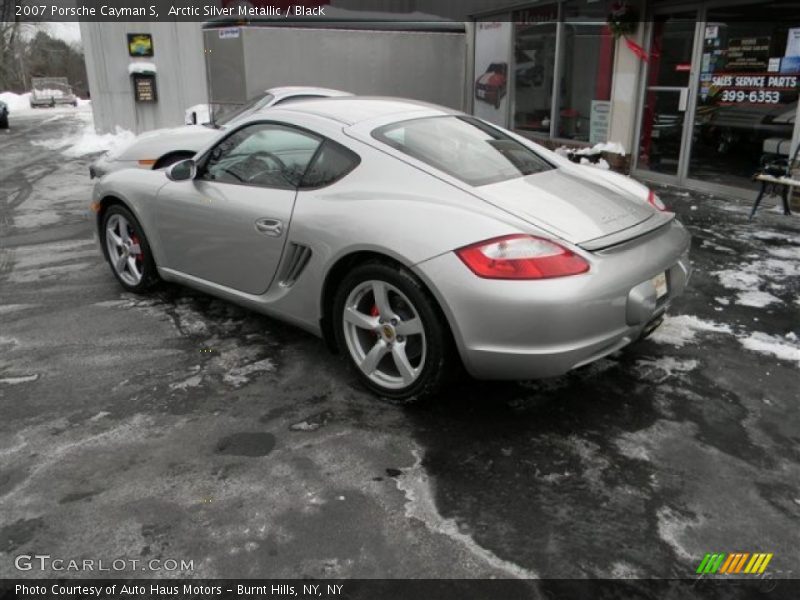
column 600, row 121
column 492, row 76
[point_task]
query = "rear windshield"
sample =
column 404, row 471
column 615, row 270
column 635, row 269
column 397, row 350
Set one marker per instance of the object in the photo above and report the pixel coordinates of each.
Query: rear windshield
column 464, row 147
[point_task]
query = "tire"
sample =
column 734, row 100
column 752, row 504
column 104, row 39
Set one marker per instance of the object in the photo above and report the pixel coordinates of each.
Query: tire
column 409, row 331
column 170, row 159
column 138, row 273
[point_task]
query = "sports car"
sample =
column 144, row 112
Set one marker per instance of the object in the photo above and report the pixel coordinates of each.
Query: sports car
column 160, row 148
column 410, row 237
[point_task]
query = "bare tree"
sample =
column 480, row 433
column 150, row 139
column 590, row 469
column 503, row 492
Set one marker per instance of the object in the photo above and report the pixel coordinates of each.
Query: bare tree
column 13, row 74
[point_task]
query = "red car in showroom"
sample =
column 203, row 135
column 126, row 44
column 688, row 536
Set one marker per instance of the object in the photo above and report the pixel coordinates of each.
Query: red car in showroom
column 491, row 86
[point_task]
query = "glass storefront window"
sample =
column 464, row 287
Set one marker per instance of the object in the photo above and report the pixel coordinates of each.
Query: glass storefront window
column 587, row 63
column 586, row 67
column 748, row 90
column 534, row 63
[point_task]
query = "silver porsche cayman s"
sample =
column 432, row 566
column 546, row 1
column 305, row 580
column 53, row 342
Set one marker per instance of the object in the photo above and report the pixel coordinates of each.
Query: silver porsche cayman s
column 409, row 236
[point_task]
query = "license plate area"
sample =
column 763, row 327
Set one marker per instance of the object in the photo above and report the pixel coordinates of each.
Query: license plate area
column 660, row 283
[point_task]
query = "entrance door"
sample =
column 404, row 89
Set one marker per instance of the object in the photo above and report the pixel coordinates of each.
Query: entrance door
column 665, row 130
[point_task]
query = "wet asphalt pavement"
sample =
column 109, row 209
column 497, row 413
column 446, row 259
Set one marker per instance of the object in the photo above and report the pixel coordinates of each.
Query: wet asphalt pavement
column 177, row 426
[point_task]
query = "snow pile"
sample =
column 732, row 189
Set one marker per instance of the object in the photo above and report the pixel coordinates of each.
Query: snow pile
column 88, row 141
column 600, row 164
column 773, row 345
column 91, row 142
column 201, row 112
column 610, row 147
column 683, row 329
column 16, row 102
column 141, row 68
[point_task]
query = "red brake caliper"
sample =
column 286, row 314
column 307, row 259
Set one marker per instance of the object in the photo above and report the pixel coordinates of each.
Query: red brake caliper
column 139, row 256
column 374, row 312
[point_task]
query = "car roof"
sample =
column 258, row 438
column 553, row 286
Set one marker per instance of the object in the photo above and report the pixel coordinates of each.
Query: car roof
column 350, row 110
column 301, row 90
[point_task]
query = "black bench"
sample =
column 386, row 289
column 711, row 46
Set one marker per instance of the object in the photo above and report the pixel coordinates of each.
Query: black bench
column 781, row 176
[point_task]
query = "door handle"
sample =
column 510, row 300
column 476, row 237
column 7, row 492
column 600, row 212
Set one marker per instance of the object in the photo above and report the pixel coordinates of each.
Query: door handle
column 272, row 227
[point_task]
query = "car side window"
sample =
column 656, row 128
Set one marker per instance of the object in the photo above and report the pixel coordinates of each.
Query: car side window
column 331, row 164
column 262, row 154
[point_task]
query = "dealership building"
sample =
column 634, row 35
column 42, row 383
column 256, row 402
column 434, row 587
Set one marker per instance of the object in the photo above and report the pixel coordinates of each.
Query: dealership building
column 689, row 93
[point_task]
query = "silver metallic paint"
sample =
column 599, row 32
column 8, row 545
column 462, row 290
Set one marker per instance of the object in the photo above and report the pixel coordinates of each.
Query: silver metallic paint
column 397, row 207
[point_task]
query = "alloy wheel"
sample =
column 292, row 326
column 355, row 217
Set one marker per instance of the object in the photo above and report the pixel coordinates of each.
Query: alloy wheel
column 384, row 334
column 124, row 250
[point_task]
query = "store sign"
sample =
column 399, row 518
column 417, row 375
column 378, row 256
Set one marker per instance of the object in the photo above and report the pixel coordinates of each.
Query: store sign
column 227, row 33
column 748, row 54
column 140, row 44
column 754, row 89
column 144, row 88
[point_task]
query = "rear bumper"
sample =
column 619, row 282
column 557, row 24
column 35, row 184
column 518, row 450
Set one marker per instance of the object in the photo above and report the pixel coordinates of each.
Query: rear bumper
column 537, row 329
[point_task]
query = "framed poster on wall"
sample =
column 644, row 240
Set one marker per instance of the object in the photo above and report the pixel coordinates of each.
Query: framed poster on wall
column 140, row 44
column 492, row 76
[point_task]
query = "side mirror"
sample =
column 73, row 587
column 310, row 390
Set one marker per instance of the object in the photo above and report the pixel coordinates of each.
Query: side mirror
column 183, row 170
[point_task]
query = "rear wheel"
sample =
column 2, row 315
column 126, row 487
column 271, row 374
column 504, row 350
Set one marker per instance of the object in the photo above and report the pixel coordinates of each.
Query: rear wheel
column 127, row 250
column 391, row 331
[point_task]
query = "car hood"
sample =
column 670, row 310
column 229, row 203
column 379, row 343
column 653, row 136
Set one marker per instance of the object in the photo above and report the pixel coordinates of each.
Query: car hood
column 571, row 206
column 156, row 143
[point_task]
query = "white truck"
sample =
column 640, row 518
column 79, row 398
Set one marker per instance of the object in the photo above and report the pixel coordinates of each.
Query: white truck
column 50, row 91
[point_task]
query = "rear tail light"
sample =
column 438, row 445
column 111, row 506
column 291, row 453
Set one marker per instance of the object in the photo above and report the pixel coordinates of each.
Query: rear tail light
column 521, row 257
column 656, row 202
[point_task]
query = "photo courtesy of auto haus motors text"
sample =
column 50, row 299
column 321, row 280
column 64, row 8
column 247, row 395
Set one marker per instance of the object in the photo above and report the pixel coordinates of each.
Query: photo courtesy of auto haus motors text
column 167, row 590
column 399, row 299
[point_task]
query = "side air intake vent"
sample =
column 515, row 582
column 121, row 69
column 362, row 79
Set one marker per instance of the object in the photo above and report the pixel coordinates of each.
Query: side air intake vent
column 297, row 258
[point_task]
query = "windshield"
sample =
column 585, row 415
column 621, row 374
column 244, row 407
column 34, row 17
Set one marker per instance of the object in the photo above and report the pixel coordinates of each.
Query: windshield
column 464, row 147
column 247, row 108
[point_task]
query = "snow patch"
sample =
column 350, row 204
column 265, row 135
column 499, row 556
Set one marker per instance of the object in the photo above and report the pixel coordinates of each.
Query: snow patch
column 756, row 298
column 9, row 308
column 610, row 147
column 683, row 329
column 671, row 527
column 600, row 164
column 18, row 380
column 142, row 67
column 191, row 382
column 201, row 112
column 661, row 369
column 773, row 346
column 238, row 376
column 420, row 505
column 88, row 141
column 16, row 102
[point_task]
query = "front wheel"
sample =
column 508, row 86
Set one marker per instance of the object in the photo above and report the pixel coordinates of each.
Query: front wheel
column 127, row 250
column 392, row 333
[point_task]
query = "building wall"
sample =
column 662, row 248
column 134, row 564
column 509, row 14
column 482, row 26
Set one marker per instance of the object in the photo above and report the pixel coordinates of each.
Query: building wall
column 180, row 77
